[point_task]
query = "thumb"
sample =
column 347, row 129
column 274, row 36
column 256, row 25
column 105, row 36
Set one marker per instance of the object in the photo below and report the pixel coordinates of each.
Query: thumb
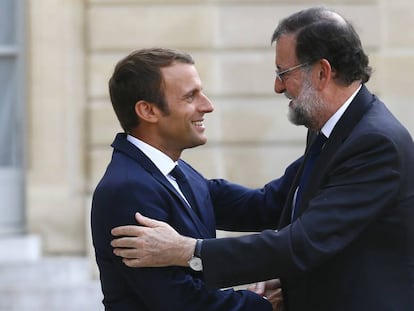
column 258, row 288
column 148, row 222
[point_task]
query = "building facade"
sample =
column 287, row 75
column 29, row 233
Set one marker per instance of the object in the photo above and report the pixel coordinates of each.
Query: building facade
column 71, row 46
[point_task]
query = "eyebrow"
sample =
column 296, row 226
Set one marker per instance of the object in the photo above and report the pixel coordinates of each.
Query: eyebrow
column 279, row 68
column 191, row 92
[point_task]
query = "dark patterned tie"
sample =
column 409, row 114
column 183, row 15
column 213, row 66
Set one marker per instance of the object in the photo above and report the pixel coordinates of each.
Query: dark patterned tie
column 185, row 187
column 310, row 159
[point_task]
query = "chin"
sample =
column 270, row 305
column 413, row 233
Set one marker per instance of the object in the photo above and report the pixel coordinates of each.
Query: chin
column 197, row 143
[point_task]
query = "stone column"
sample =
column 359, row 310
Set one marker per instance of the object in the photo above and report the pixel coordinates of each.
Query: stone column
column 55, row 176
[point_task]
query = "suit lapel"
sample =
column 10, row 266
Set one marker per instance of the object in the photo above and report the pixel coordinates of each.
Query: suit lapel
column 201, row 196
column 362, row 102
column 123, row 145
column 201, row 227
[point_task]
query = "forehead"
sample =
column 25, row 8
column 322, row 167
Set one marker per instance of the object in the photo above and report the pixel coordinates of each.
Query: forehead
column 180, row 76
column 286, row 51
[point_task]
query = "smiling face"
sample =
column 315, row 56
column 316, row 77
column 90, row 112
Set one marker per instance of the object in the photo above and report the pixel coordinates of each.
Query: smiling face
column 182, row 126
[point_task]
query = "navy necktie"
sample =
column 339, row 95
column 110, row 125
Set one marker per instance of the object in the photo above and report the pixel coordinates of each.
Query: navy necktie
column 185, row 187
column 310, row 159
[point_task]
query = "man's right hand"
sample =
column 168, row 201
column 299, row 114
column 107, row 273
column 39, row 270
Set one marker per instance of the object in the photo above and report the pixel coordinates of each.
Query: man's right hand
column 152, row 244
column 272, row 291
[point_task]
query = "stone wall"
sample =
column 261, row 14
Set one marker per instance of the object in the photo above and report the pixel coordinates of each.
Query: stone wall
column 75, row 44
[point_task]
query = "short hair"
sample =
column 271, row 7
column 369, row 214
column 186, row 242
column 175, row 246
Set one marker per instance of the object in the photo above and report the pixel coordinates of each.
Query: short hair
column 138, row 77
column 324, row 34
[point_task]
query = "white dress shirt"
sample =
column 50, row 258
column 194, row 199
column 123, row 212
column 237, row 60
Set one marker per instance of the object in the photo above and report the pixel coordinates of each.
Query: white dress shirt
column 163, row 162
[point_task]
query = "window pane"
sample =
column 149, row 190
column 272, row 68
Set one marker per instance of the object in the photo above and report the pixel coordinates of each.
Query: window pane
column 7, row 20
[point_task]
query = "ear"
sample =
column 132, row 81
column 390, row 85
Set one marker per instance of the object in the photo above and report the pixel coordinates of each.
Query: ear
column 324, row 73
column 147, row 111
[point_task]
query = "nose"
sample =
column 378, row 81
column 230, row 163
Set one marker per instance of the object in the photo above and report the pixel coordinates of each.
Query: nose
column 206, row 106
column 279, row 86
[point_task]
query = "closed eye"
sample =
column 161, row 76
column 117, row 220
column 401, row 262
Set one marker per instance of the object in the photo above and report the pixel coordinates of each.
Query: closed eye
column 189, row 97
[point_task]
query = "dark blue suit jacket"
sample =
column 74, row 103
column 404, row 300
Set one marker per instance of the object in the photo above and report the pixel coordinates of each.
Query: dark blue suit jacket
column 352, row 247
column 133, row 183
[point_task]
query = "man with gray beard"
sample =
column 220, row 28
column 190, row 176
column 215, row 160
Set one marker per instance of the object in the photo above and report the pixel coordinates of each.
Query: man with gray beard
column 345, row 234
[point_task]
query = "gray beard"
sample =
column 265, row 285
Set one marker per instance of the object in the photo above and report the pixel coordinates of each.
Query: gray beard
column 306, row 107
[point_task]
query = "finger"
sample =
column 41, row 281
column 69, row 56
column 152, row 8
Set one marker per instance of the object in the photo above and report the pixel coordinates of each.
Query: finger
column 258, row 288
column 148, row 222
column 276, row 283
column 252, row 287
column 132, row 263
column 130, row 230
column 140, row 262
column 273, row 284
column 127, row 253
column 273, row 291
column 126, row 242
column 275, row 295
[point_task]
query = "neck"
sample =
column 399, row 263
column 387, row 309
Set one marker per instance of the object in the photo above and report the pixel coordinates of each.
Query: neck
column 153, row 141
column 334, row 100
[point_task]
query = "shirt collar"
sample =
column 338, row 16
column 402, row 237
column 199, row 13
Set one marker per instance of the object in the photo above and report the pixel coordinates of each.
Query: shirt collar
column 330, row 124
column 160, row 159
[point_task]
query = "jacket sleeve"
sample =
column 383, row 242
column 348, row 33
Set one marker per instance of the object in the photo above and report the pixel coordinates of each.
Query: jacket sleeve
column 256, row 209
column 360, row 185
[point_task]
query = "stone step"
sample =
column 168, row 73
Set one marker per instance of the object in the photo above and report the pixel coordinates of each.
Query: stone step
column 45, row 271
column 49, row 284
column 81, row 297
